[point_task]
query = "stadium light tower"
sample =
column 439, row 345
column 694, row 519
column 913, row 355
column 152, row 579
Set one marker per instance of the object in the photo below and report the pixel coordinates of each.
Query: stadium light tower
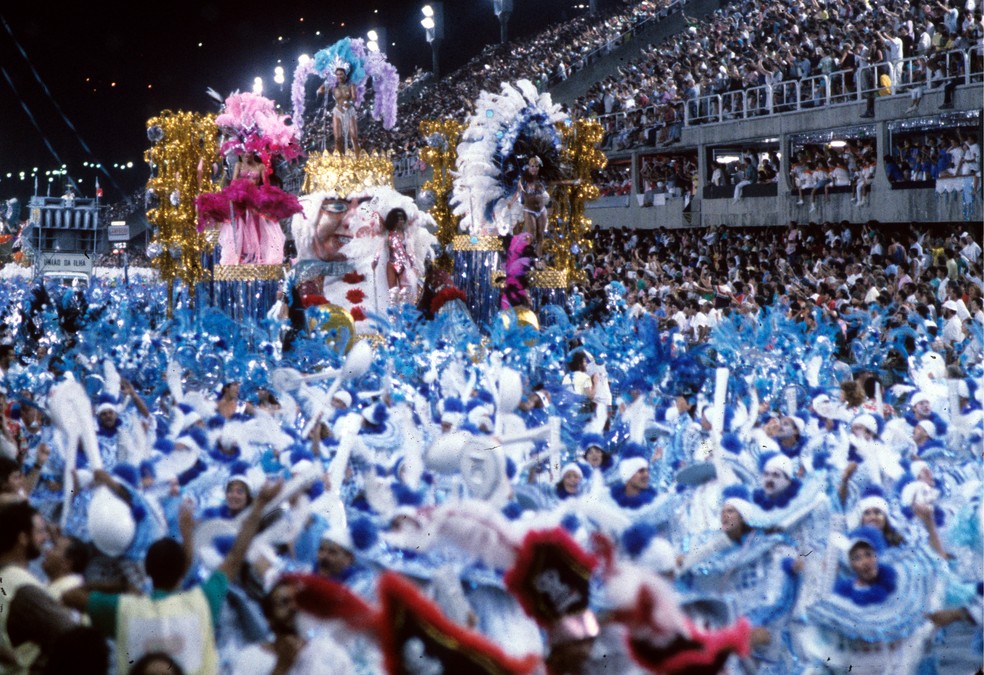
column 503, row 10
column 376, row 40
column 433, row 23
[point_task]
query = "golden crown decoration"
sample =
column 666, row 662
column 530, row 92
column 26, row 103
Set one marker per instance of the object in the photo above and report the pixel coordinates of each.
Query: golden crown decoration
column 345, row 174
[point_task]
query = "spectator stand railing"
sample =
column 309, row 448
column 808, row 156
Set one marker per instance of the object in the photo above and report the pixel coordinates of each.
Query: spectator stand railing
column 833, row 89
column 407, row 165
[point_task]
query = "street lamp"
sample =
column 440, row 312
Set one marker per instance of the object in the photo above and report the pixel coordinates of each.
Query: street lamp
column 376, row 40
column 433, row 23
column 503, row 9
column 258, row 86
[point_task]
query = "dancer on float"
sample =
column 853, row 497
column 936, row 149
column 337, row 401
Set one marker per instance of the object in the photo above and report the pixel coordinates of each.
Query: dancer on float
column 345, row 124
column 401, row 267
column 247, row 211
column 532, row 194
column 251, row 238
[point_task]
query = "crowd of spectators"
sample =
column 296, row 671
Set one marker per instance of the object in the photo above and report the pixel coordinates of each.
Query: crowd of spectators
column 748, row 44
column 837, row 268
column 817, row 168
column 931, row 156
column 615, row 180
column 672, row 174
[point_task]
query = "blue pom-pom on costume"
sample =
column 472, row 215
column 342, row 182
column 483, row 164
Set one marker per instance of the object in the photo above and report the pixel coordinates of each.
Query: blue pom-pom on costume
column 737, row 491
column 364, row 533
column 637, row 537
column 512, row 510
column 128, row 474
column 732, row 443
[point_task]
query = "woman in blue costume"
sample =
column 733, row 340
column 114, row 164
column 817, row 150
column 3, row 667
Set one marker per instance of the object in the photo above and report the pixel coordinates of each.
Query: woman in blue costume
column 754, row 572
column 868, row 622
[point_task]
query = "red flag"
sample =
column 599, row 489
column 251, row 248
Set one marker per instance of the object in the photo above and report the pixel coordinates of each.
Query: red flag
column 99, row 191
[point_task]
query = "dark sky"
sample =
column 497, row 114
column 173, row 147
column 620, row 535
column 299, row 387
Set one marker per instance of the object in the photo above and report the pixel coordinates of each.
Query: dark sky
column 110, row 70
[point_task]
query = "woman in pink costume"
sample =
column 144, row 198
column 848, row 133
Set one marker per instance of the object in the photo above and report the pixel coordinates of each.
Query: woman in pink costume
column 401, row 268
column 251, row 237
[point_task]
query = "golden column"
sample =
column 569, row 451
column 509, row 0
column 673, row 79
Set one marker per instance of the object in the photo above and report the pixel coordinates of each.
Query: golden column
column 185, row 144
column 579, row 156
column 441, row 153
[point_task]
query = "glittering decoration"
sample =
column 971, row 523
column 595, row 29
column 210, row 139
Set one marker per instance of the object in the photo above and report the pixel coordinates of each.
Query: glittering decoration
column 958, row 118
column 828, row 135
column 527, row 317
column 346, row 174
column 572, row 227
column 336, row 322
column 441, row 153
column 248, row 272
column 245, row 297
column 467, row 242
column 473, row 273
column 549, row 278
column 186, row 142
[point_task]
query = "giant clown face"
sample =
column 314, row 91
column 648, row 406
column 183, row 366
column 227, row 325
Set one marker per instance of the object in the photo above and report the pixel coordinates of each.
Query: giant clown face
column 346, row 234
column 338, row 222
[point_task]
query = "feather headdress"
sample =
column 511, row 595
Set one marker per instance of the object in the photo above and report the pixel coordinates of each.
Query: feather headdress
column 507, row 129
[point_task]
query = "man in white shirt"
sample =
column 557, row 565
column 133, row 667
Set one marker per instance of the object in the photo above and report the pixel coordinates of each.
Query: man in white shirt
column 953, row 331
column 971, row 252
column 971, row 165
column 680, row 318
column 699, row 325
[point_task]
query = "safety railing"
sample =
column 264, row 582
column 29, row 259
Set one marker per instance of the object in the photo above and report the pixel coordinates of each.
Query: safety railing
column 838, row 88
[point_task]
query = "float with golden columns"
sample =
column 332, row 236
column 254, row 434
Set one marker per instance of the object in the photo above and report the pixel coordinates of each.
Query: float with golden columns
column 508, row 131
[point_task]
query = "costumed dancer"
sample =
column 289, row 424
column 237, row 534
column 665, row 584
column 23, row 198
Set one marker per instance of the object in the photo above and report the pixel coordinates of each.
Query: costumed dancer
column 868, row 622
column 531, row 191
column 344, row 117
column 756, row 574
column 345, row 67
column 340, row 246
column 509, row 154
column 252, row 238
column 249, row 208
column 401, row 265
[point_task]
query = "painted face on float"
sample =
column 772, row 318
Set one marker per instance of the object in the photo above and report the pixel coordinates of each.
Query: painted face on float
column 340, row 221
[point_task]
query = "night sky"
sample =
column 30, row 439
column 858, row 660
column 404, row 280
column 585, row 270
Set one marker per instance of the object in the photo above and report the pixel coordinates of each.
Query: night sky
column 110, row 71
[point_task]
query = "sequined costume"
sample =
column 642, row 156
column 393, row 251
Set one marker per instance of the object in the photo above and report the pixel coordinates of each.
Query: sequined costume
column 402, row 259
column 754, row 577
column 533, row 191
